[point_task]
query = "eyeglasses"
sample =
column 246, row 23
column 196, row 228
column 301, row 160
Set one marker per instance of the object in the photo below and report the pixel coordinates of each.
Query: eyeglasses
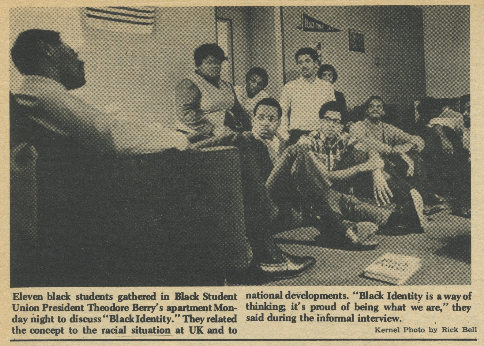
column 332, row 120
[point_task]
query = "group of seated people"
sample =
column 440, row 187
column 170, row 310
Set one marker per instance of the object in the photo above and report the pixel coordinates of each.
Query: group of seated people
column 298, row 155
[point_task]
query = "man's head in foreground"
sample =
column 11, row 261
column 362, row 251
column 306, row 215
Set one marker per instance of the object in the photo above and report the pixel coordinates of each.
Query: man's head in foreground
column 42, row 53
column 330, row 119
column 267, row 118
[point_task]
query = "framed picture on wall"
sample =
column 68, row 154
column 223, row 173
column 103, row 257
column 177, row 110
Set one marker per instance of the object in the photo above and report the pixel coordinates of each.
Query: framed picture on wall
column 357, row 41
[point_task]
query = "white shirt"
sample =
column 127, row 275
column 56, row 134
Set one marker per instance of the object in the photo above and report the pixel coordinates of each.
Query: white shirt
column 301, row 102
column 66, row 114
column 246, row 102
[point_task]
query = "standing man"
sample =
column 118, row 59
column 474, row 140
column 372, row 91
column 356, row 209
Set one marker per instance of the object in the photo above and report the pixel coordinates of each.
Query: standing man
column 302, row 98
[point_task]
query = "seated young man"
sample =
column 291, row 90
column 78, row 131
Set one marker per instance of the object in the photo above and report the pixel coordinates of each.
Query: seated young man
column 71, row 130
column 260, row 149
column 315, row 165
column 399, row 150
column 252, row 92
column 263, row 146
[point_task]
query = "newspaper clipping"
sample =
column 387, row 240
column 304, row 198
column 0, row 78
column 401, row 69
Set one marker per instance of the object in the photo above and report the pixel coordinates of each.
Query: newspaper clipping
column 240, row 172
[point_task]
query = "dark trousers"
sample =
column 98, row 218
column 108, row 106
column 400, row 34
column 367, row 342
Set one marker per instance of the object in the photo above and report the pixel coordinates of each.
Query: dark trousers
column 448, row 174
column 294, row 136
column 398, row 182
column 259, row 210
column 298, row 170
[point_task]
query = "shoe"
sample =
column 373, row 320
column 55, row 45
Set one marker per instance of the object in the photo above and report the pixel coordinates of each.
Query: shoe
column 362, row 235
column 433, row 209
column 419, row 207
column 291, row 267
column 462, row 211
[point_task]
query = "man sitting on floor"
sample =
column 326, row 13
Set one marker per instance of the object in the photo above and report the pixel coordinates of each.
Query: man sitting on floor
column 51, row 68
column 399, row 149
column 315, row 165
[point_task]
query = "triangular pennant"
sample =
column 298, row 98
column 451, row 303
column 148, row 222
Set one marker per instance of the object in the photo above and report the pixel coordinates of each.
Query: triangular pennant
column 313, row 25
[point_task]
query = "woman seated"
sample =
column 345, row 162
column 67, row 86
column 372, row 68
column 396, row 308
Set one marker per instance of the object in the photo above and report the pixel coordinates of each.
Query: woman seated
column 206, row 104
column 256, row 81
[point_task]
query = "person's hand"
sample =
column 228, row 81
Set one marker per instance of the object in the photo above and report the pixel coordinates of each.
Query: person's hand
column 284, row 134
column 381, row 191
column 348, row 125
column 447, row 147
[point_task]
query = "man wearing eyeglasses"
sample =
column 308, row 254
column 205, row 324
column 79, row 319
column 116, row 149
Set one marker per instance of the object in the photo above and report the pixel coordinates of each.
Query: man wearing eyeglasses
column 317, row 166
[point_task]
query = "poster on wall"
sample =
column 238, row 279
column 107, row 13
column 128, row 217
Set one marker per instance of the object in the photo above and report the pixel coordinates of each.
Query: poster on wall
column 357, row 41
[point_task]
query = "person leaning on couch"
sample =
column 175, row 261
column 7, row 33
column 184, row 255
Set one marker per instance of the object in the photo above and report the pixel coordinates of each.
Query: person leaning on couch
column 51, row 68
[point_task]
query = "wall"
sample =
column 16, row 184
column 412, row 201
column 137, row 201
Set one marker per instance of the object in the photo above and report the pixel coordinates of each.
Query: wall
column 447, row 50
column 257, row 42
column 392, row 33
column 266, row 45
column 137, row 73
column 241, row 37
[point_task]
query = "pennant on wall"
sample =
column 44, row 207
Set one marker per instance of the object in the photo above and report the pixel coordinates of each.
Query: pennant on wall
column 137, row 20
column 309, row 23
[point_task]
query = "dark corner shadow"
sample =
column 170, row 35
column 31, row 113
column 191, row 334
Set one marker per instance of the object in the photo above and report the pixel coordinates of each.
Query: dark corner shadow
column 458, row 248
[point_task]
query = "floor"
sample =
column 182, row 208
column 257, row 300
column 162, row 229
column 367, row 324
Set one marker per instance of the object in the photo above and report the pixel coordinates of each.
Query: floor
column 444, row 250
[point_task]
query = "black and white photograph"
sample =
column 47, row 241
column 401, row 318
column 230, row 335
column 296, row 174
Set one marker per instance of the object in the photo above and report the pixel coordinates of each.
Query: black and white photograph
column 240, row 146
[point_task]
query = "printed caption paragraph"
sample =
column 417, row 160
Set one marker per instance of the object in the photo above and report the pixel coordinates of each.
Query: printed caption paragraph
column 198, row 314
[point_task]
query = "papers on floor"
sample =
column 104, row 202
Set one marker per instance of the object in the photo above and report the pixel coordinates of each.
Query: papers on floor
column 393, row 268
